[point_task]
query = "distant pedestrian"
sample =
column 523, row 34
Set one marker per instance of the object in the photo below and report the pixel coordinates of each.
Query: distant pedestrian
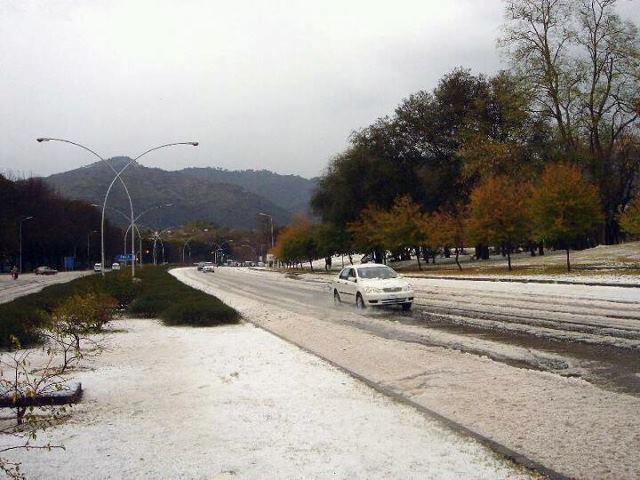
column 14, row 273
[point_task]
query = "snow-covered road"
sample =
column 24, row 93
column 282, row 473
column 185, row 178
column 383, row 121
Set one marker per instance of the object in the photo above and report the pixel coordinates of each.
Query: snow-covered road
column 235, row 402
column 584, row 429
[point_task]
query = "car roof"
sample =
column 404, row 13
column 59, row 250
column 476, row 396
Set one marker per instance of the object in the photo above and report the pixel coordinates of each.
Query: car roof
column 371, row 265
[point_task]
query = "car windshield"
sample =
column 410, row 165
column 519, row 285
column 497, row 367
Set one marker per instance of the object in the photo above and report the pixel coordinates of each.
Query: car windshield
column 377, row 272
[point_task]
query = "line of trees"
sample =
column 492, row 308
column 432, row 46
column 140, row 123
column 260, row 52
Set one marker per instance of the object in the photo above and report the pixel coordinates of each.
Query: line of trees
column 567, row 108
column 560, row 208
column 60, row 227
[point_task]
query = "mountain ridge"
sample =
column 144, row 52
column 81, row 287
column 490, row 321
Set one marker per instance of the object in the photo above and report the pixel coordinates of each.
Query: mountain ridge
column 196, row 193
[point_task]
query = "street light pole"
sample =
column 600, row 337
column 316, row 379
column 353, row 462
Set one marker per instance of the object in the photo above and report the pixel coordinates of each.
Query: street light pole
column 135, row 225
column 132, row 161
column 20, row 235
column 124, row 185
column 118, row 177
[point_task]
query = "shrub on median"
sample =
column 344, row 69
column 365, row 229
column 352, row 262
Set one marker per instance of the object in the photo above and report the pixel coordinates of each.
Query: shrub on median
column 24, row 317
column 202, row 312
column 165, row 297
column 156, row 294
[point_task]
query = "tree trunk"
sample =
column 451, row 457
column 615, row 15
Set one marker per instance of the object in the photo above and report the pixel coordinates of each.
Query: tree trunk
column 311, row 264
column 458, row 259
column 611, row 229
column 418, row 258
column 541, row 249
column 568, row 262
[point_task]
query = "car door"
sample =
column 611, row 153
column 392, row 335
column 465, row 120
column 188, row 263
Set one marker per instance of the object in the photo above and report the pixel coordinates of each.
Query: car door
column 340, row 283
column 350, row 286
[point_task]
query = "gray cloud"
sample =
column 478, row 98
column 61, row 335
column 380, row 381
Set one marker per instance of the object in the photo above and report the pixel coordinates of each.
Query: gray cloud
column 261, row 84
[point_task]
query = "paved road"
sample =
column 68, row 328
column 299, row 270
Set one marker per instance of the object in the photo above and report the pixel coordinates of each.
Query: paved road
column 562, row 386
column 575, row 330
column 29, row 283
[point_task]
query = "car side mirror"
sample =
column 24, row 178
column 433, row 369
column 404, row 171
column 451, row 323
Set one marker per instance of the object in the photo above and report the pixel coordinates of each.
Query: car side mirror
column 353, row 279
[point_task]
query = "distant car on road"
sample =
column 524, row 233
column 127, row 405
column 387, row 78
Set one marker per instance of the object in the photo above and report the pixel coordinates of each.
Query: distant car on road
column 44, row 270
column 115, row 266
column 97, row 267
column 208, row 267
column 200, row 265
column 371, row 285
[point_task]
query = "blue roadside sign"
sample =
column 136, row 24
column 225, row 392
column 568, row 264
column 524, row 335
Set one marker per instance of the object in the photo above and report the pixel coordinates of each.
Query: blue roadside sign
column 124, row 258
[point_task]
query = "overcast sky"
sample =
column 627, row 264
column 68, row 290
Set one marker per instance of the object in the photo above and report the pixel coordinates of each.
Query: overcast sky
column 261, row 84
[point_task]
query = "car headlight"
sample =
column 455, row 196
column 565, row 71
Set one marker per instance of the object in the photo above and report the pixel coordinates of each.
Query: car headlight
column 372, row 290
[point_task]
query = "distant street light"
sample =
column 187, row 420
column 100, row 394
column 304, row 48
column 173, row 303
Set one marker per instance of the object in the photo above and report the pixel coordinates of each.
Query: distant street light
column 124, row 240
column 124, row 185
column 155, row 207
column 184, row 247
column 118, row 177
column 271, row 221
column 20, row 235
column 219, row 248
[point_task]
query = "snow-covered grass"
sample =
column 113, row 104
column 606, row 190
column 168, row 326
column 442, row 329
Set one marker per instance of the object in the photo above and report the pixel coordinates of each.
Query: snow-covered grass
column 237, row 402
column 568, row 424
column 603, row 263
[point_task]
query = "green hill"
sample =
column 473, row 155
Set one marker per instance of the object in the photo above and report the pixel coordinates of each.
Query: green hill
column 196, row 194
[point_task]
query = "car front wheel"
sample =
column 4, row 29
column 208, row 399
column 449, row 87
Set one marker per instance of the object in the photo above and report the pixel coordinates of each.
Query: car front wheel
column 360, row 305
column 336, row 298
column 406, row 307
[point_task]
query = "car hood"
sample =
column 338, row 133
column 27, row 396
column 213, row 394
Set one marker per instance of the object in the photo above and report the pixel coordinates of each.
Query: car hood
column 385, row 283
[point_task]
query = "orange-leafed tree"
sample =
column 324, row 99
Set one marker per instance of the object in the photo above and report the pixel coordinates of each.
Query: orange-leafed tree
column 402, row 226
column 368, row 231
column 564, row 206
column 398, row 229
column 446, row 229
column 499, row 214
column 630, row 218
column 296, row 242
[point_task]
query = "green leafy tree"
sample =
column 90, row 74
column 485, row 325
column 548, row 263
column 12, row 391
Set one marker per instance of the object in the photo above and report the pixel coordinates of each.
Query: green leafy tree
column 564, row 206
column 630, row 218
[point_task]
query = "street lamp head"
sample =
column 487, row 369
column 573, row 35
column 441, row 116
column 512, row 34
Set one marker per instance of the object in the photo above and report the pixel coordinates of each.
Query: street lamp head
column 168, row 204
column 28, row 218
column 42, row 139
column 195, row 144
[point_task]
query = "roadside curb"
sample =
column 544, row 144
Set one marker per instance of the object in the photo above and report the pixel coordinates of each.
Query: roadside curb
column 527, row 280
column 499, row 448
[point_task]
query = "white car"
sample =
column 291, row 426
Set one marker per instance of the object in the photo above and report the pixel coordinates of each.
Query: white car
column 208, row 267
column 97, row 267
column 115, row 266
column 371, row 285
